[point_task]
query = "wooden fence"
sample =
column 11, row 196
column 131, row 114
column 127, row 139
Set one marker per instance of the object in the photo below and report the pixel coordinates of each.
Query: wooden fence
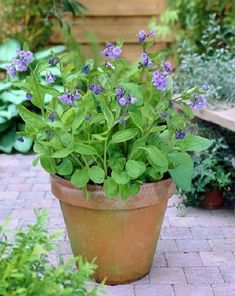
column 110, row 19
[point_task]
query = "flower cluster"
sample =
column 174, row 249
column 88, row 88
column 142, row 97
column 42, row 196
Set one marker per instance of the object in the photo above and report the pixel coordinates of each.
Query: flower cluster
column 124, row 98
column 96, row 89
column 199, row 102
column 159, row 77
column 112, row 51
column 20, row 62
column 68, row 97
column 50, row 78
column 142, row 35
column 146, row 60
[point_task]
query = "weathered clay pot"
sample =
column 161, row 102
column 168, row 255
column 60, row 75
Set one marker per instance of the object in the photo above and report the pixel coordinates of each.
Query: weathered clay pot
column 121, row 235
column 213, row 200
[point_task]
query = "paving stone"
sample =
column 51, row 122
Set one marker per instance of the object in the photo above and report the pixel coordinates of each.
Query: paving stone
column 176, row 233
column 218, row 258
column 32, row 195
column 23, row 213
column 19, row 187
column 224, row 289
column 4, row 195
column 12, row 204
column 16, row 180
column 154, row 290
column 173, row 201
column 193, row 290
column 144, row 280
column 223, row 212
column 203, row 275
column 228, row 273
column 37, row 180
column 41, row 187
column 229, row 232
column 3, row 187
column 120, row 290
column 215, row 221
column 38, row 203
column 207, row 232
column 166, row 275
column 4, row 213
column 159, row 260
column 167, row 245
column 222, row 245
column 183, row 221
column 11, row 223
column 183, row 259
column 193, row 245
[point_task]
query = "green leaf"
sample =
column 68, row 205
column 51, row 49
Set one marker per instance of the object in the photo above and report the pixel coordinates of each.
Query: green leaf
column 68, row 116
column 23, row 147
column 124, row 135
column 31, row 118
column 116, row 163
column 8, row 50
column 96, row 174
column 135, row 168
column 36, row 160
column 62, row 153
column 48, row 164
column 120, row 178
column 65, row 168
column 84, row 149
column 183, row 170
column 80, row 178
column 128, row 190
column 156, row 157
column 111, row 188
column 108, row 116
column 47, row 52
column 194, row 143
column 77, row 122
column 7, row 141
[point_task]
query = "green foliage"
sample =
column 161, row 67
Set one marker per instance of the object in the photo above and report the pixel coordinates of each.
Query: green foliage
column 200, row 25
column 96, row 140
column 213, row 168
column 27, row 21
column 25, row 268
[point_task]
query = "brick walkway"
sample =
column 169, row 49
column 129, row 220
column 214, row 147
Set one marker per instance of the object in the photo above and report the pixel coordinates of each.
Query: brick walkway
column 195, row 255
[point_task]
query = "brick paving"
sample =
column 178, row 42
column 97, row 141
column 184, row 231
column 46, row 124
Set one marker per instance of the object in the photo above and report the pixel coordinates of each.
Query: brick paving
column 195, row 254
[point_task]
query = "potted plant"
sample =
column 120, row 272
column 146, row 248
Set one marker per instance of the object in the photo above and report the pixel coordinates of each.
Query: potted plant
column 211, row 176
column 114, row 146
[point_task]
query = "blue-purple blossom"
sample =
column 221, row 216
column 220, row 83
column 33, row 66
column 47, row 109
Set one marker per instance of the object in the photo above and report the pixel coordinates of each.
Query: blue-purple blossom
column 77, row 95
column 11, row 70
column 67, row 98
column 142, row 35
column 122, row 121
column 50, row 78
column 180, row 135
column 108, row 65
column 170, row 106
column 53, row 61
column 119, row 92
column 96, row 89
column 86, row 68
column 198, row 102
column 163, row 115
column 146, row 60
column 159, row 80
column 122, row 101
column 20, row 65
column 112, row 51
column 167, row 67
column 204, row 87
column 20, row 139
column 52, row 116
column 25, row 56
column 28, row 96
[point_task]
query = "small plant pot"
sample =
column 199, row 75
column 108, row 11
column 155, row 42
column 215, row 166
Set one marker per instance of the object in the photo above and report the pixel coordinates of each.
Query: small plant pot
column 213, row 200
column 121, row 235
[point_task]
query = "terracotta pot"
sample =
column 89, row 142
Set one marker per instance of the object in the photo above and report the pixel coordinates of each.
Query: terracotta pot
column 122, row 236
column 213, row 200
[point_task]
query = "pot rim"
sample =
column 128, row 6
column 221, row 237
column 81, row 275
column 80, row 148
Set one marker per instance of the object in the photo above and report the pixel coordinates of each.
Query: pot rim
column 149, row 195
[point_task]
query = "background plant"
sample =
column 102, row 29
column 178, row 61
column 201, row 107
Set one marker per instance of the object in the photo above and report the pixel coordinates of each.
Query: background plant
column 27, row 21
column 25, row 268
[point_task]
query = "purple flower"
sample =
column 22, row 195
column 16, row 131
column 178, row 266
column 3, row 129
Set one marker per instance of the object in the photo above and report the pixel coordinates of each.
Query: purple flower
column 180, row 135
column 25, row 56
column 67, row 98
column 20, row 65
column 122, row 121
column 198, row 102
column 122, row 101
column 51, row 117
column 50, row 78
column 204, row 87
column 167, row 67
column 96, row 89
column 111, row 51
column 28, row 96
column 119, row 92
column 86, row 68
column 132, row 100
column 77, row 95
column 142, row 35
column 108, row 65
column 146, row 60
column 159, row 81
column 163, row 115
column 53, row 61
column 11, row 70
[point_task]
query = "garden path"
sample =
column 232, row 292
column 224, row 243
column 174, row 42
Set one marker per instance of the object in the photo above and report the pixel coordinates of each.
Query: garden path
column 195, row 254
